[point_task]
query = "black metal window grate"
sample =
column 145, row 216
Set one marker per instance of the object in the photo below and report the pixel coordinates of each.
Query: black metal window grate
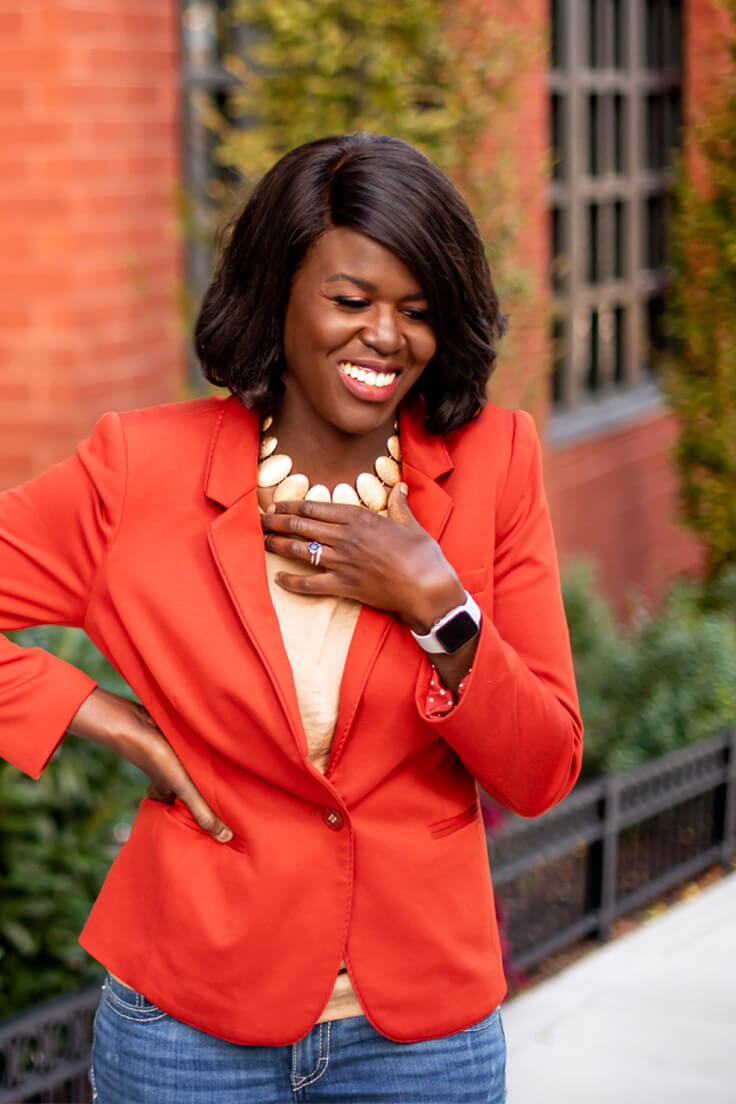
column 207, row 35
column 615, row 117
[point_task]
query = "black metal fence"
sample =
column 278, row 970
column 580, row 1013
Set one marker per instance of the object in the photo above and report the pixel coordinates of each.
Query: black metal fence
column 614, row 844
column 611, row 846
column 44, row 1054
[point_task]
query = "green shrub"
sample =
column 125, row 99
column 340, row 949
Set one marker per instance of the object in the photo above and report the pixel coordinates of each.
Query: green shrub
column 663, row 682
column 699, row 368
column 58, row 836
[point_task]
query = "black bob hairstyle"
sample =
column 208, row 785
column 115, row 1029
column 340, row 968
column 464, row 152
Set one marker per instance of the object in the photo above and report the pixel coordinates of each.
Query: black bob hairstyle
column 387, row 190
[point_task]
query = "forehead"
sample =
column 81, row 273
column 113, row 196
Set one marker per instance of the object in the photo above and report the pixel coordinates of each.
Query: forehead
column 346, row 251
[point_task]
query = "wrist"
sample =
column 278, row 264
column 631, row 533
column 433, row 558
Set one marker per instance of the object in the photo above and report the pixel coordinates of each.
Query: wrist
column 432, row 603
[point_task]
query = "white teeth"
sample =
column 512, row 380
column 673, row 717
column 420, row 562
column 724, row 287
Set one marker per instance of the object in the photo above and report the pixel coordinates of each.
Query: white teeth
column 367, row 375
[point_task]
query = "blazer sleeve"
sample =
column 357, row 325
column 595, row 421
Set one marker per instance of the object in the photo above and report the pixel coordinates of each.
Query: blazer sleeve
column 54, row 532
column 517, row 727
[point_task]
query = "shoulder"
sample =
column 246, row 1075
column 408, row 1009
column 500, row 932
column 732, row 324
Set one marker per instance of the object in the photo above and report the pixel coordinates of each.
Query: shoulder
column 193, row 414
column 178, row 427
column 501, row 439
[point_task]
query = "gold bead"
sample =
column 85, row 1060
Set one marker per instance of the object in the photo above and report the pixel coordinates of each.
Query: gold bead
column 266, row 446
column 394, row 447
column 318, row 493
column 274, row 469
column 371, row 491
column 293, row 489
column 345, row 494
column 388, row 470
column 266, row 422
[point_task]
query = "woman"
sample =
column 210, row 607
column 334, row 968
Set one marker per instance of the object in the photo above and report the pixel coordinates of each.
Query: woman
column 303, row 909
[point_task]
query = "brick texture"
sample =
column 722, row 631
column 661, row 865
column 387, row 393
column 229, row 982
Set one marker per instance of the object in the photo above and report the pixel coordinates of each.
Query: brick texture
column 89, row 140
column 613, row 500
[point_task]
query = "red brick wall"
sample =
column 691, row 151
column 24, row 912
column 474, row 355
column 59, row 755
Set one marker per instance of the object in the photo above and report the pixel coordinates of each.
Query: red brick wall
column 91, row 260
column 612, row 499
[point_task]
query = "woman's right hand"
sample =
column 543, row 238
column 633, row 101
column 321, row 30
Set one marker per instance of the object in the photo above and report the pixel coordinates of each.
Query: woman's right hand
column 127, row 729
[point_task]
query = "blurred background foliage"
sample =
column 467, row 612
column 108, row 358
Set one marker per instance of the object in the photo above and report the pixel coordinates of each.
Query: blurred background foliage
column 699, row 367
column 58, row 837
column 661, row 682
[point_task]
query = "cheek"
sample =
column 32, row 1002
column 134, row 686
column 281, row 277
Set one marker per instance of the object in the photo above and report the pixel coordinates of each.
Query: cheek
column 428, row 347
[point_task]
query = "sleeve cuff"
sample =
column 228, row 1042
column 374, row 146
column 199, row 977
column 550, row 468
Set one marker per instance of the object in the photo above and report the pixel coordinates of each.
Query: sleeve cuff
column 29, row 737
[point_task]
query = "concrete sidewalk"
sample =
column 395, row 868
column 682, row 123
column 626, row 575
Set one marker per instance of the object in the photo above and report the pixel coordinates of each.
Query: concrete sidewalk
column 647, row 1019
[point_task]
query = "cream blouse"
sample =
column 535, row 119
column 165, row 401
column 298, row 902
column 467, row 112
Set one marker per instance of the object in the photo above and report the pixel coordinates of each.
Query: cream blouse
column 317, row 631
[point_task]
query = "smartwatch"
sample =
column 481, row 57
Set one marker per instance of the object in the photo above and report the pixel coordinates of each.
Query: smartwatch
column 450, row 632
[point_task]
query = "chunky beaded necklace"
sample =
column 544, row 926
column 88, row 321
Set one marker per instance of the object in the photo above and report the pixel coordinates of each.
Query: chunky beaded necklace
column 274, row 470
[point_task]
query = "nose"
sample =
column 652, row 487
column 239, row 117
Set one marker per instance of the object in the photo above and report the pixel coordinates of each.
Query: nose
column 383, row 332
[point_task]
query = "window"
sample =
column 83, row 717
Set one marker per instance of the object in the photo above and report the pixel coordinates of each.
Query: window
column 206, row 36
column 615, row 86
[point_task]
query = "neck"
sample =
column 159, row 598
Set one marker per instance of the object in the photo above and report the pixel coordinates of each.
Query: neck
column 322, row 451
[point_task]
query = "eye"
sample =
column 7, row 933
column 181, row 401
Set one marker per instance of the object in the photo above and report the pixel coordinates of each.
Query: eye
column 351, row 302
column 415, row 314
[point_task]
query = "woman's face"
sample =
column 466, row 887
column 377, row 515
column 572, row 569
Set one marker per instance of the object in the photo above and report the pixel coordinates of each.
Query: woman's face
column 357, row 333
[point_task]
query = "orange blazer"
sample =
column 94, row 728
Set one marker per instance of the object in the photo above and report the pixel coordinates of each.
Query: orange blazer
column 150, row 539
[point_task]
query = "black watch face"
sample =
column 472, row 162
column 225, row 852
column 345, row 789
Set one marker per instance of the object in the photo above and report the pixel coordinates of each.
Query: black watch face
column 456, row 632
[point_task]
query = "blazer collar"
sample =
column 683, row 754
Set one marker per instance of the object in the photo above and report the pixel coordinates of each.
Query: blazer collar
column 232, row 463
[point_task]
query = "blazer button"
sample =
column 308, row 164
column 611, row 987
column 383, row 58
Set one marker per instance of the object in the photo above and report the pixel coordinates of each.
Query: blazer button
column 333, row 818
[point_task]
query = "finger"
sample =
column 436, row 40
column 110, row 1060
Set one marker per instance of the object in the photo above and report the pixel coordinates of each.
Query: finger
column 398, row 505
column 296, row 549
column 327, row 582
column 332, row 512
column 174, row 777
column 307, row 529
column 207, row 820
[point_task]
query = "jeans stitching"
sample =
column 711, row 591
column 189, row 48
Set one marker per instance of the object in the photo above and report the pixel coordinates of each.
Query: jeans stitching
column 323, row 1060
column 483, row 1025
column 125, row 1016
column 142, row 1004
column 92, row 1080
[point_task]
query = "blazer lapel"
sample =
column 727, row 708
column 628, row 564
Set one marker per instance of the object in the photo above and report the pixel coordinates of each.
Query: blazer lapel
column 424, row 459
column 236, row 542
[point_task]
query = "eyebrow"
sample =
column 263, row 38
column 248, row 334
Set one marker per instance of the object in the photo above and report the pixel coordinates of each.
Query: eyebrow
column 366, row 285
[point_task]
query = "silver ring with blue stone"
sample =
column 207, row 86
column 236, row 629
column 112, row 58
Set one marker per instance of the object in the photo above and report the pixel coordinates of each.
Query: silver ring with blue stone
column 315, row 553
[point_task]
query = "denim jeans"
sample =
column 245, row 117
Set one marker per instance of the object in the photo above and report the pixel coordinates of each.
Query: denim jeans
column 141, row 1055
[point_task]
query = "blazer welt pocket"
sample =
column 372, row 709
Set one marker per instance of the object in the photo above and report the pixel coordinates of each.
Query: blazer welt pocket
column 452, row 824
column 180, row 813
column 475, row 580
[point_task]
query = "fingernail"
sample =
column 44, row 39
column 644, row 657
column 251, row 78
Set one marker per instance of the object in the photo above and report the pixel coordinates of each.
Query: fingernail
column 403, row 488
column 271, row 509
column 224, row 836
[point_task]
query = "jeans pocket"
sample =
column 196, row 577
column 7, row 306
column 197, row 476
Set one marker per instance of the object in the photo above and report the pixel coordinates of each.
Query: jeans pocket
column 129, row 1004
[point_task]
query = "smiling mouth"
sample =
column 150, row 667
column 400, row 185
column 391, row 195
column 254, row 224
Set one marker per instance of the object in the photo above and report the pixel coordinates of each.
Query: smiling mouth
column 367, row 376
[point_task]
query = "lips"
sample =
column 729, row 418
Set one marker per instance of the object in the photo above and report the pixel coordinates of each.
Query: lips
column 367, row 382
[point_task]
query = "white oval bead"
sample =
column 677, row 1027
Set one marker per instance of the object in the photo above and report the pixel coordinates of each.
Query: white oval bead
column 266, row 446
column 318, row 493
column 293, row 488
column 371, row 491
column 394, row 447
column 345, row 494
column 388, row 470
column 275, row 468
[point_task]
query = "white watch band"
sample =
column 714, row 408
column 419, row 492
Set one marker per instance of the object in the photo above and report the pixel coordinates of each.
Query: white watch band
column 428, row 641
